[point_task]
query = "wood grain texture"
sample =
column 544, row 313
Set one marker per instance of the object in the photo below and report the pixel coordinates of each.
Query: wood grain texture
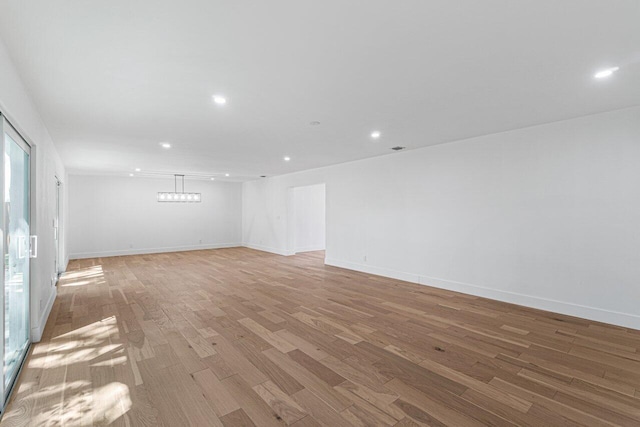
column 240, row 337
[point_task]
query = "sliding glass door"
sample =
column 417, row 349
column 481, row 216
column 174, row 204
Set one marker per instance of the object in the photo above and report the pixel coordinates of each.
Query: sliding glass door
column 18, row 248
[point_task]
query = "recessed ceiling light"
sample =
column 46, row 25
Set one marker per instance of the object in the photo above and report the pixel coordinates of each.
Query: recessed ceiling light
column 130, row 174
column 606, row 73
column 165, row 145
column 287, row 158
column 137, row 169
column 213, row 179
column 375, row 134
column 219, row 99
column 226, row 174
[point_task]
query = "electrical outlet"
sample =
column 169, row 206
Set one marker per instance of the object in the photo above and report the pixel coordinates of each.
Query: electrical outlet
column 365, row 258
column 130, row 245
column 200, row 241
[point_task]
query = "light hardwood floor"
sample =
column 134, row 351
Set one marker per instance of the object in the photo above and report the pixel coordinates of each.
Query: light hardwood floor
column 240, row 337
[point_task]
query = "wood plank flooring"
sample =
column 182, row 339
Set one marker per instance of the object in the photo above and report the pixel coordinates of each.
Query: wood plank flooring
column 237, row 337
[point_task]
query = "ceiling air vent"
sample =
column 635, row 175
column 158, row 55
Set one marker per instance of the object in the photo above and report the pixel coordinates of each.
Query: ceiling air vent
column 398, row 148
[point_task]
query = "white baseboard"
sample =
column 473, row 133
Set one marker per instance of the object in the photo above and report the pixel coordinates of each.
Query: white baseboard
column 267, row 249
column 310, row 249
column 370, row 269
column 626, row 320
column 122, row 252
column 37, row 331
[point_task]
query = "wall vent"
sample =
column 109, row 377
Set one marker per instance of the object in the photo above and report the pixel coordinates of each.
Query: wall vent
column 398, row 148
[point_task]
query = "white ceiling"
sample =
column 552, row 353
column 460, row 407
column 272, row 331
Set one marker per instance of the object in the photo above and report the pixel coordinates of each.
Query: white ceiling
column 113, row 78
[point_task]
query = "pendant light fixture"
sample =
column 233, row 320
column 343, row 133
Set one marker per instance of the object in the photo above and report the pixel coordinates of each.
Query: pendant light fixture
column 179, row 196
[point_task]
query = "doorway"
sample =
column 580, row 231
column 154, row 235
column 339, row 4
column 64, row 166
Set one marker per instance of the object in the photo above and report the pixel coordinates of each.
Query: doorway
column 17, row 249
column 56, row 228
column 309, row 228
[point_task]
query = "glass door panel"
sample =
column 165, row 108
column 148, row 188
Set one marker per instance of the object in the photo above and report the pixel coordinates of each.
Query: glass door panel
column 16, row 253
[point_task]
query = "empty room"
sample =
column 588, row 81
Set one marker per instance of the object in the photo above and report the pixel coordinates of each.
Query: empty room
column 320, row 213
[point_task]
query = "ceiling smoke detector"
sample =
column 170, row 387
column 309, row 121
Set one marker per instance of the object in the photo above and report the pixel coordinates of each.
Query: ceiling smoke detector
column 398, row 148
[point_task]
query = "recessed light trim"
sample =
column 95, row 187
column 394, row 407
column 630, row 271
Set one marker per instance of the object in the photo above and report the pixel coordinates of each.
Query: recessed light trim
column 138, row 169
column 226, row 174
column 376, row 134
column 603, row 74
column 287, row 158
column 213, row 179
column 165, row 145
column 130, row 174
column 219, row 99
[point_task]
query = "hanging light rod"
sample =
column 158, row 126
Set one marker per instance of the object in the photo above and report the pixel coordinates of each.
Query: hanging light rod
column 179, row 196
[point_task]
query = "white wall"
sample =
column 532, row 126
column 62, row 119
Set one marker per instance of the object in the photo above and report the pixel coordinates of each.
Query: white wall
column 16, row 104
column 112, row 215
column 546, row 216
column 309, row 214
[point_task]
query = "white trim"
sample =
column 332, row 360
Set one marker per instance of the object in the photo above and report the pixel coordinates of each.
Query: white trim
column 626, row 320
column 17, row 138
column 310, row 249
column 145, row 251
column 370, row 269
column 268, row 249
column 36, row 332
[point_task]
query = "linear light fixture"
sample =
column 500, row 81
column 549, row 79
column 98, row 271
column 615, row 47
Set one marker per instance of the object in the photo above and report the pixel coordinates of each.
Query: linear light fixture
column 179, row 196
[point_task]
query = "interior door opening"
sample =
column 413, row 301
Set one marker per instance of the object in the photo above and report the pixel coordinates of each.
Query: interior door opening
column 56, row 230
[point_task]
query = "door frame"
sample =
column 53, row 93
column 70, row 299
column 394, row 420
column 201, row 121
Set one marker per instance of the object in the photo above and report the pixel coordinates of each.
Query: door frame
column 5, row 393
column 58, row 261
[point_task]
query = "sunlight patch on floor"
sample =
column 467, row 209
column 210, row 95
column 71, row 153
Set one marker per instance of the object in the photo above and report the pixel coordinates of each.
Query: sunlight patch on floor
column 96, row 331
column 90, row 344
column 95, row 346
column 85, row 276
column 83, row 405
column 81, row 355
